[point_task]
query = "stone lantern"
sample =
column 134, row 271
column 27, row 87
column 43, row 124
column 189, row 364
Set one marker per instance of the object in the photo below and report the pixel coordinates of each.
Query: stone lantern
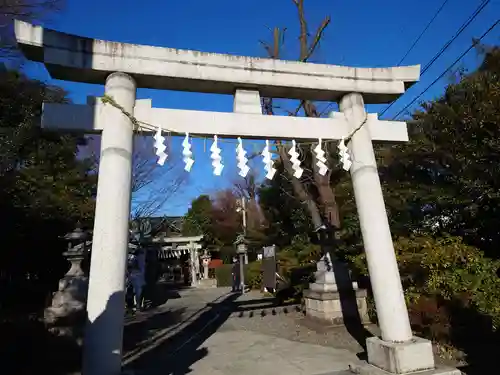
column 66, row 315
column 241, row 249
column 205, row 261
column 333, row 297
column 206, row 282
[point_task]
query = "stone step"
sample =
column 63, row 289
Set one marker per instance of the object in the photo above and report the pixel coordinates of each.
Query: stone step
column 264, row 311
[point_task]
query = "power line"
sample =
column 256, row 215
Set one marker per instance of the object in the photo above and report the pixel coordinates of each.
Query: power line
column 423, row 32
column 462, row 28
column 495, row 24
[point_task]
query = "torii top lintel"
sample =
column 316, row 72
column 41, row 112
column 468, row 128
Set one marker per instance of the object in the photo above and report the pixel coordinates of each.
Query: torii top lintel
column 79, row 59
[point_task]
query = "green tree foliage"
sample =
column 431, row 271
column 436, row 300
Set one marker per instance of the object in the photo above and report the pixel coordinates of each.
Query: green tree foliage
column 441, row 191
column 446, row 268
column 448, row 178
column 44, row 188
column 287, row 219
column 198, row 220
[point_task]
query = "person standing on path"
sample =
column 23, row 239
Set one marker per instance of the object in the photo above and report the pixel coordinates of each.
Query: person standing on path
column 235, row 275
column 137, row 265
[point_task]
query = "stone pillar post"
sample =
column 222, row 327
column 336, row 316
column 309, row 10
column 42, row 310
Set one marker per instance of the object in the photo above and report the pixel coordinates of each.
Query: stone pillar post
column 384, row 274
column 106, row 296
column 398, row 352
column 194, row 258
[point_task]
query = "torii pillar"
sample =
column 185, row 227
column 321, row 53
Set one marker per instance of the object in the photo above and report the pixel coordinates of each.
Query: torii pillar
column 106, row 294
column 74, row 58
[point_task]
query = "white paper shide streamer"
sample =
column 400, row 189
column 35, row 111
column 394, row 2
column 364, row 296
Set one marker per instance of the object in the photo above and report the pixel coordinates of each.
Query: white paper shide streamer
column 345, row 158
column 294, row 159
column 268, row 162
column 242, row 160
column 187, row 155
column 321, row 160
column 160, row 147
column 216, row 158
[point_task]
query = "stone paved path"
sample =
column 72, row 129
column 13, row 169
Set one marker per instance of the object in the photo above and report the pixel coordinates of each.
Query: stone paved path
column 215, row 332
column 244, row 352
column 200, row 334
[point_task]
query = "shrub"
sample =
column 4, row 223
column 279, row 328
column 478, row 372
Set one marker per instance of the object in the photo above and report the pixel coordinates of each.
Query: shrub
column 430, row 318
column 253, row 277
column 447, row 272
column 223, row 275
column 296, row 264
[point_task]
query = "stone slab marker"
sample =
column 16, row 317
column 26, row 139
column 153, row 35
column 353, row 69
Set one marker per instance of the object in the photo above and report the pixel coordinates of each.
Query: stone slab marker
column 123, row 67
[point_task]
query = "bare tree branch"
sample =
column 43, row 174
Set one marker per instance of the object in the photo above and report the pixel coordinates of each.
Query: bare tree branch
column 301, row 188
column 317, row 39
column 153, row 186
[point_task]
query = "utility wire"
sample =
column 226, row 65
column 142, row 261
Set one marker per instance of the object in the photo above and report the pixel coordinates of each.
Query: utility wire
column 478, row 10
column 474, row 44
column 462, row 28
column 423, row 32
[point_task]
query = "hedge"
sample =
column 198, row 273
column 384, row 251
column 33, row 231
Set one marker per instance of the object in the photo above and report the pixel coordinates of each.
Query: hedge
column 298, row 277
column 251, row 270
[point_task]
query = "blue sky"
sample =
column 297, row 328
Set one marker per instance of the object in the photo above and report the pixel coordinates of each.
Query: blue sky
column 362, row 33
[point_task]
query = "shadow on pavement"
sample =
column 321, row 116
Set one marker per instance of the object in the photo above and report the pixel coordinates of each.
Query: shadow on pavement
column 349, row 305
column 146, row 325
column 160, row 293
column 175, row 354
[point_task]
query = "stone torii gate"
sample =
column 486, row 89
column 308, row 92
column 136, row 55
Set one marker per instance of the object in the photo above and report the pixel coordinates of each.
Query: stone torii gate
column 123, row 68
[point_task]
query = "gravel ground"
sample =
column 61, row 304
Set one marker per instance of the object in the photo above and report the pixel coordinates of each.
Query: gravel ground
column 295, row 326
column 291, row 327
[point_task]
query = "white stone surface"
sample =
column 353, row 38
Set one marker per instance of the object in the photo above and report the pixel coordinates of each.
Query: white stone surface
column 247, row 101
column 255, row 353
column 382, row 265
column 193, row 254
column 367, row 369
column 400, row 358
column 74, row 58
column 85, row 118
column 105, row 304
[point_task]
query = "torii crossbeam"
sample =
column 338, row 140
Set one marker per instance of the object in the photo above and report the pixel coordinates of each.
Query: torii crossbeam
column 123, row 68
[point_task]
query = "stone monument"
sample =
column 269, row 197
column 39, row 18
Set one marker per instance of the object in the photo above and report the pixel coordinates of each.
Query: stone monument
column 332, row 302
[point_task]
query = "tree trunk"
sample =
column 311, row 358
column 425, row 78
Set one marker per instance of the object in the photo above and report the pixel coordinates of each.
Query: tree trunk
column 329, row 210
column 300, row 191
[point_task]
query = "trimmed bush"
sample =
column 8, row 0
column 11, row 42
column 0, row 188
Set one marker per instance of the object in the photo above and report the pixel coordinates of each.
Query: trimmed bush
column 446, row 282
column 223, row 274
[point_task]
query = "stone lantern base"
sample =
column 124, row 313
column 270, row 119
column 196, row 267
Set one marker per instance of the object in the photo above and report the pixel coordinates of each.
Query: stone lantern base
column 333, row 298
column 207, row 283
column 66, row 316
column 331, row 309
